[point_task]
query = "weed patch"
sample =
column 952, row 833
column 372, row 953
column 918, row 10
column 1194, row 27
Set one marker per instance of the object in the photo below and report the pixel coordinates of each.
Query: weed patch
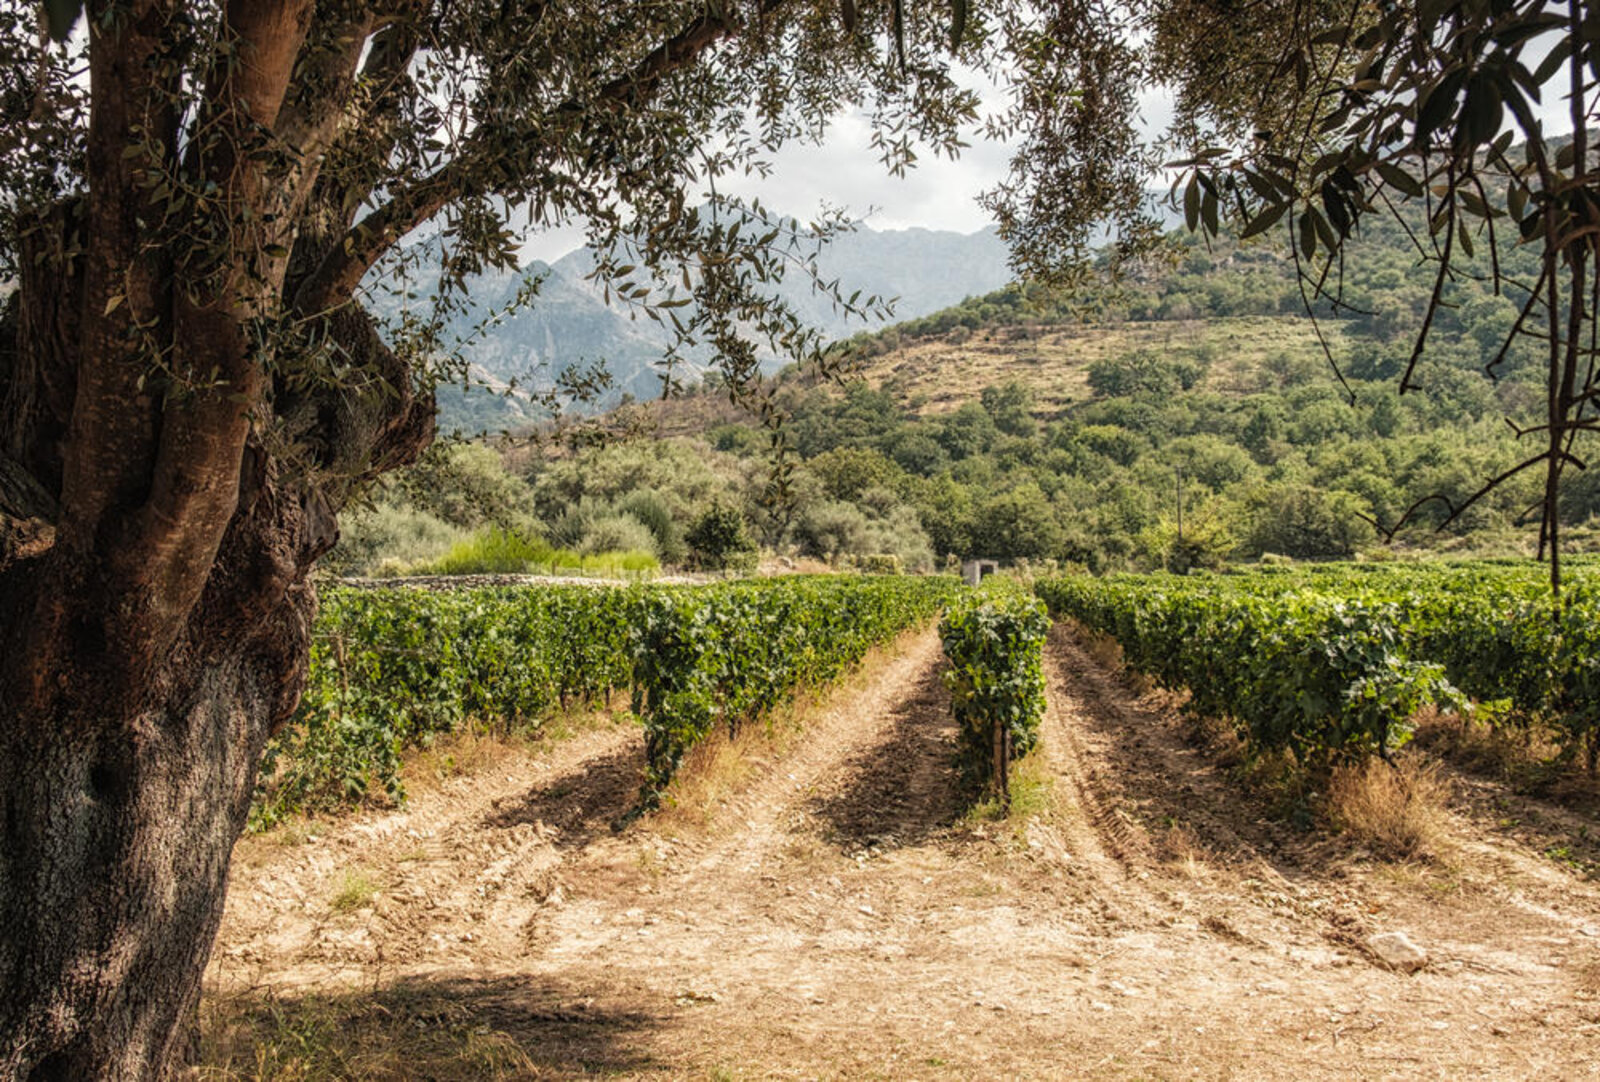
column 1396, row 810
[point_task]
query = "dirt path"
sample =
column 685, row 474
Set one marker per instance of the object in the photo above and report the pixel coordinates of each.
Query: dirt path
column 835, row 916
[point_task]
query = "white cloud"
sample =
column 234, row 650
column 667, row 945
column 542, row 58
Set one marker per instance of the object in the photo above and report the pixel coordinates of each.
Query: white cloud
column 844, row 171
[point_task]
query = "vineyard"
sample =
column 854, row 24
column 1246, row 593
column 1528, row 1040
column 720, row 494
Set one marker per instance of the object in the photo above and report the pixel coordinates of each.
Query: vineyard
column 392, row 669
column 847, row 898
column 1336, row 661
column 1327, row 662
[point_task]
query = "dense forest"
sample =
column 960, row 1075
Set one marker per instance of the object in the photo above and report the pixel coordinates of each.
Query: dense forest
column 1202, row 389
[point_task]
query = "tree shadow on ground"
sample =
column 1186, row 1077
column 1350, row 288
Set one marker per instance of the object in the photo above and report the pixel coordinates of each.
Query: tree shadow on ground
column 903, row 790
column 582, row 803
column 438, row 1028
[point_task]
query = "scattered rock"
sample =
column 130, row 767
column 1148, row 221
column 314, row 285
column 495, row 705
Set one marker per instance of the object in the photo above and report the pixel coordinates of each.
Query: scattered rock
column 1397, row 951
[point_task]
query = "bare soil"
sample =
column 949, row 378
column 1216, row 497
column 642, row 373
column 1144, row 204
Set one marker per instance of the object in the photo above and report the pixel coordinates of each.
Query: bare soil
column 835, row 913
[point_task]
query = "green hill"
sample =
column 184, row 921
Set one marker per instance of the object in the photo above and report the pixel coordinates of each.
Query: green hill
column 1005, row 426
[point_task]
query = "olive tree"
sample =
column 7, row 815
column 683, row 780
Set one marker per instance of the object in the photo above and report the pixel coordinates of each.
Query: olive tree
column 198, row 199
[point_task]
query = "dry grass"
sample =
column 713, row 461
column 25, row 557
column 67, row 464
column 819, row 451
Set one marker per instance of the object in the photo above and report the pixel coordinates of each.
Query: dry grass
column 357, row 889
column 1217, row 739
column 469, row 750
column 1527, row 756
column 1589, row 980
column 934, row 376
column 714, row 771
column 1183, row 851
column 1397, row 810
column 477, row 748
column 388, row 1035
column 1103, row 649
column 1032, row 796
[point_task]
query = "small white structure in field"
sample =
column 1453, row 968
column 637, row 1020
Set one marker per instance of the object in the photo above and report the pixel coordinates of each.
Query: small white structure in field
column 975, row 571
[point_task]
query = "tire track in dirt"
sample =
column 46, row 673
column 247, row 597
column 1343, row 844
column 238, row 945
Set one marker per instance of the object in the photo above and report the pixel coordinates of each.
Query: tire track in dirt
column 832, row 913
column 1282, row 884
column 1091, row 832
column 1141, row 777
column 428, row 884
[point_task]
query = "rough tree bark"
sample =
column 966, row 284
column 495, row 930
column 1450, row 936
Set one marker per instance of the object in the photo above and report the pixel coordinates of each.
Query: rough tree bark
column 188, row 396
column 155, row 543
column 189, row 393
column 129, row 757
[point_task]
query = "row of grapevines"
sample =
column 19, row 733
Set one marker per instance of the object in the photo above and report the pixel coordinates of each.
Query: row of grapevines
column 994, row 638
column 1314, row 674
column 391, row 668
column 1508, row 648
column 1490, row 623
column 726, row 655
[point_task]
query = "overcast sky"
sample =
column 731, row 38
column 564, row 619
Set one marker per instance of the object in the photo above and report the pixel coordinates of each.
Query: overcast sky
column 844, row 172
column 938, row 194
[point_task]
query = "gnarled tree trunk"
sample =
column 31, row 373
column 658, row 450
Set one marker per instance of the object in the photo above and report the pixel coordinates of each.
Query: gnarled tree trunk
column 171, row 464
column 129, row 745
column 155, row 615
column 120, row 811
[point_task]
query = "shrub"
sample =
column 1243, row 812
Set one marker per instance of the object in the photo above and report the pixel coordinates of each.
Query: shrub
column 832, row 529
column 617, row 533
column 880, row 563
column 1306, row 522
column 494, row 551
column 652, row 510
column 1397, row 810
column 994, row 638
column 719, row 539
column 391, row 536
column 467, row 485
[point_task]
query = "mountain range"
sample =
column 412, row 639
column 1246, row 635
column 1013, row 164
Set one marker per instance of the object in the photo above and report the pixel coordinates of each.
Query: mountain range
column 568, row 324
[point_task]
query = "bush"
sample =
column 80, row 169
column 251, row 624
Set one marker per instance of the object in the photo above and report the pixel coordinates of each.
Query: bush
column 880, row 563
column 718, row 540
column 831, row 530
column 617, row 533
column 994, row 637
column 467, row 485
column 391, row 537
column 492, row 552
column 652, row 510
column 1306, row 522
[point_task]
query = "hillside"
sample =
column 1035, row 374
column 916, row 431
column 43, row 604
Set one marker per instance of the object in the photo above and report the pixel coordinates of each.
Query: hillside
column 1012, row 427
column 1006, row 426
column 569, row 325
column 934, row 373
